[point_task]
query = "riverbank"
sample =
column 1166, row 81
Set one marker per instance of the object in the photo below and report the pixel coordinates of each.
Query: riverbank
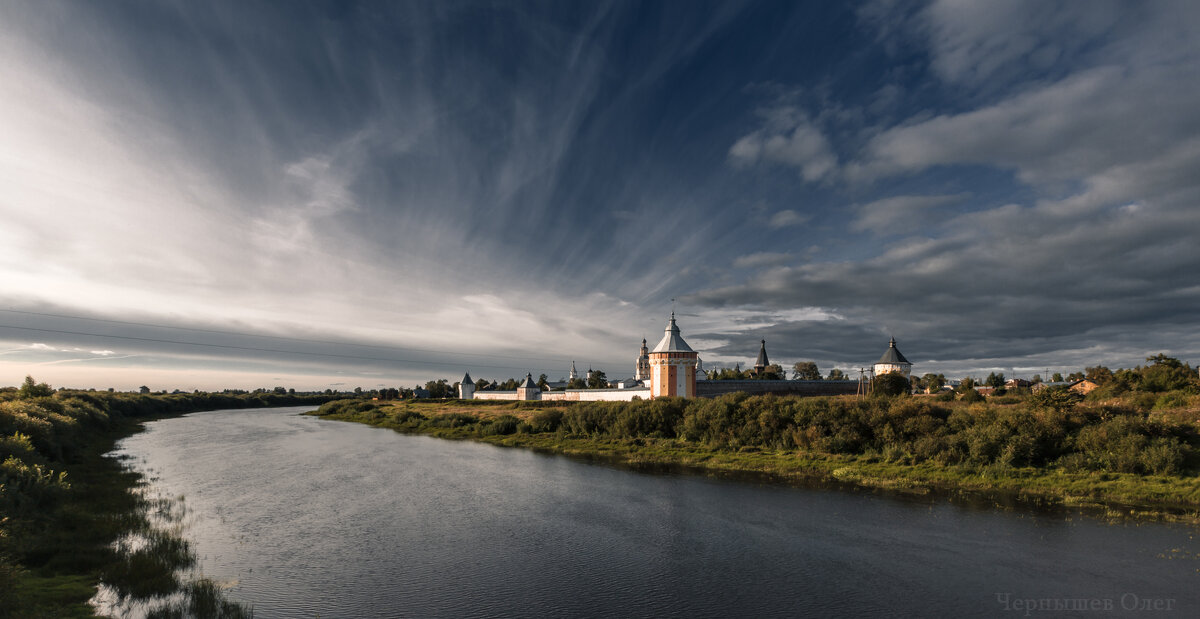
column 65, row 505
column 999, row 454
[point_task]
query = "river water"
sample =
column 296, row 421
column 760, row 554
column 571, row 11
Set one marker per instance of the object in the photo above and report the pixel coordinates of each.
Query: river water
column 304, row 517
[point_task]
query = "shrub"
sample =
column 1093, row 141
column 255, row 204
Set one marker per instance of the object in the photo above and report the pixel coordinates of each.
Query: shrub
column 971, row 395
column 1057, row 398
column 502, row 425
column 546, row 420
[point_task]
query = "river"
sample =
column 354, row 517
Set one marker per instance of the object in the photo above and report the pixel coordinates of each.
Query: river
column 304, row 517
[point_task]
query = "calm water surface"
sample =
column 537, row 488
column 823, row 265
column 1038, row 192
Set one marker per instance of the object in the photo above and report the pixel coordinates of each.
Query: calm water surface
column 306, row 517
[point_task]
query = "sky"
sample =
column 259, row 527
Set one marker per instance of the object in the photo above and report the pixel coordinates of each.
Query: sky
column 208, row 195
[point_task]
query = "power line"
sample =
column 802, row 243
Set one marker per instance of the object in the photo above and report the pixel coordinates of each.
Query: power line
column 273, row 337
column 274, row 350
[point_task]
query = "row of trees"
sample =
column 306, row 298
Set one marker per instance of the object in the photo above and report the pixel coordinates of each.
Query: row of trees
column 895, row 429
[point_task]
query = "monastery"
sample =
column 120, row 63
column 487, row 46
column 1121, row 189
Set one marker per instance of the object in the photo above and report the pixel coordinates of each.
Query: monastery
column 671, row 370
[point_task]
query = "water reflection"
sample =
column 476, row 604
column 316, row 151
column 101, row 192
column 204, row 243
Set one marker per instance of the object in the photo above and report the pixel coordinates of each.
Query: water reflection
column 309, row 517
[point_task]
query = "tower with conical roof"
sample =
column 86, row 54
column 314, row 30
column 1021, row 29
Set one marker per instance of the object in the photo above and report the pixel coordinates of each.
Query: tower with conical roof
column 642, row 368
column 574, row 374
column 529, row 389
column 760, row 365
column 892, row 362
column 672, row 365
column 466, row 388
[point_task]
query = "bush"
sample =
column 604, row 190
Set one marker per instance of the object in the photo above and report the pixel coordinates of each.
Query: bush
column 945, row 396
column 1057, row 398
column 971, row 395
column 546, row 420
column 502, row 425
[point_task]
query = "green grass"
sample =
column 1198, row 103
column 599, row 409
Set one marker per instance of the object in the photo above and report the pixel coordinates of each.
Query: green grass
column 1145, row 496
column 59, row 533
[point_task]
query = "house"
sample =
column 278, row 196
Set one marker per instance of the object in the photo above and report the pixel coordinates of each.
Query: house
column 1084, row 386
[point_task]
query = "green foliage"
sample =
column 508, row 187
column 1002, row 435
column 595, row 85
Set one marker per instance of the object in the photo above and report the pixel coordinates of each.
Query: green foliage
column 1058, row 398
column 994, row 380
column 730, row 374
column 934, row 382
column 597, row 380
column 63, row 504
column 836, row 374
column 971, row 396
column 31, row 389
column 776, row 372
column 1099, row 374
column 440, row 389
column 890, row 384
column 806, row 370
column 502, row 425
column 546, row 420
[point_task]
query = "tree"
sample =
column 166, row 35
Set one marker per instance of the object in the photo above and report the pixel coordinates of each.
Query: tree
column 440, row 389
column 31, row 389
column 481, row 384
column 934, row 382
column 1165, row 374
column 994, row 380
column 143, row 389
column 1074, row 376
column 806, row 370
column 279, row 391
column 543, row 383
column 597, row 380
column 773, row 372
column 890, row 384
column 1056, row 378
column 1037, row 378
column 836, row 374
column 1058, row 398
column 967, row 384
column 728, row 374
column 1099, row 374
column 576, row 383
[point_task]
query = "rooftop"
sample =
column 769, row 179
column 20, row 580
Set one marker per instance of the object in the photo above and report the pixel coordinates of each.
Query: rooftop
column 672, row 341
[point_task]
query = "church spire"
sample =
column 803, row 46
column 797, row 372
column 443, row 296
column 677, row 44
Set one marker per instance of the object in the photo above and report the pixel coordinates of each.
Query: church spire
column 762, row 363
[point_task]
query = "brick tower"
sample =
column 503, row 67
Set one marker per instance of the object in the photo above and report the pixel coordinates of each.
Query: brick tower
column 672, row 365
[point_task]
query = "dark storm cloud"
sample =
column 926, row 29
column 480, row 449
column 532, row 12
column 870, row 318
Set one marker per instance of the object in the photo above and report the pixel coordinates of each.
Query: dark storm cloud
column 1102, row 248
column 990, row 183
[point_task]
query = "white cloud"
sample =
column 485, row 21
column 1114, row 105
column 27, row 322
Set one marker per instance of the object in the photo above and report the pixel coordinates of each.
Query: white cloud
column 788, row 138
column 787, row 217
column 900, row 214
column 978, row 41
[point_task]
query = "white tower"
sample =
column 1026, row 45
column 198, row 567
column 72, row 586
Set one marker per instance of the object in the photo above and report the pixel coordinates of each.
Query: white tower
column 466, row 388
column 892, row 362
column 528, row 389
column 672, row 365
column 642, row 369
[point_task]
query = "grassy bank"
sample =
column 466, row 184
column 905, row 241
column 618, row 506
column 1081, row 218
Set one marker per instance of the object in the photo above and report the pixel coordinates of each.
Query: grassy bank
column 1109, row 456
column 72, row 519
